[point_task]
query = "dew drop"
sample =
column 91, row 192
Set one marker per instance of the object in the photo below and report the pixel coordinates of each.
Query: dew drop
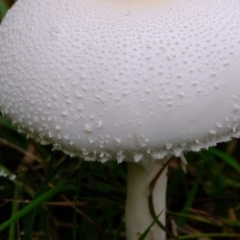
column 212, row 132
column 80, row 107
column 92, row 116
column 118, row 141
column 64, row 114
column 104, row 159
column 137, row 157
column 157, row 155
column 88, row 128
column 219, row 125
column 120, row 157
column 58, row 128
column 99, row 124
column 181, row 94
column 78, row 95
column 168, row 146
column 195, row 148
column 236, row 108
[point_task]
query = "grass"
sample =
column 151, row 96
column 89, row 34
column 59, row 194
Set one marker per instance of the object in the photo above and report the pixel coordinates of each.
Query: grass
column 46, row 195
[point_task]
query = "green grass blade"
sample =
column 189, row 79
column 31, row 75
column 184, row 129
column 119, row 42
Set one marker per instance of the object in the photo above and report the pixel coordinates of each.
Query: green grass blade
column 208, row 235
column 62, row 184
column 191, row 196
column 11, row 235
column 226, row 158
column 27, row 189
column 144, row 235
column 3, row 9
column 30, row 218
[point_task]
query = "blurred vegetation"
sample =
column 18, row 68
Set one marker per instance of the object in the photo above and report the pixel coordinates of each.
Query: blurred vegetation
column 46, row 195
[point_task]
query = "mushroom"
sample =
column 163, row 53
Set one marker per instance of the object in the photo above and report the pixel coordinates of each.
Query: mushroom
column 136, row 81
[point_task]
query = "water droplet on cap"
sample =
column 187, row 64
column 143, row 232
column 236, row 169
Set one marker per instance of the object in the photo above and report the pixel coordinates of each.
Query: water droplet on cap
column 88, row 128
column 137, row 157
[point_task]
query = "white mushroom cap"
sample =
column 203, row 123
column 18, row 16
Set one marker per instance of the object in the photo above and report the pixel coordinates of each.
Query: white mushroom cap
column 100, row 78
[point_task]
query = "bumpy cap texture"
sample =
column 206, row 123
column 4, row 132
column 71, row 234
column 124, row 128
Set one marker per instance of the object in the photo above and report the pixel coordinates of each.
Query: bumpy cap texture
column 111, row 79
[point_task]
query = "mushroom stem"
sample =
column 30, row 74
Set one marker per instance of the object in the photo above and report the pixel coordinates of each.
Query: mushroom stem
column 138, row 216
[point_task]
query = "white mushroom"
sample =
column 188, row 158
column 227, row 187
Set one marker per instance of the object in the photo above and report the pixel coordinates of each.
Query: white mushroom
column 136, row 80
